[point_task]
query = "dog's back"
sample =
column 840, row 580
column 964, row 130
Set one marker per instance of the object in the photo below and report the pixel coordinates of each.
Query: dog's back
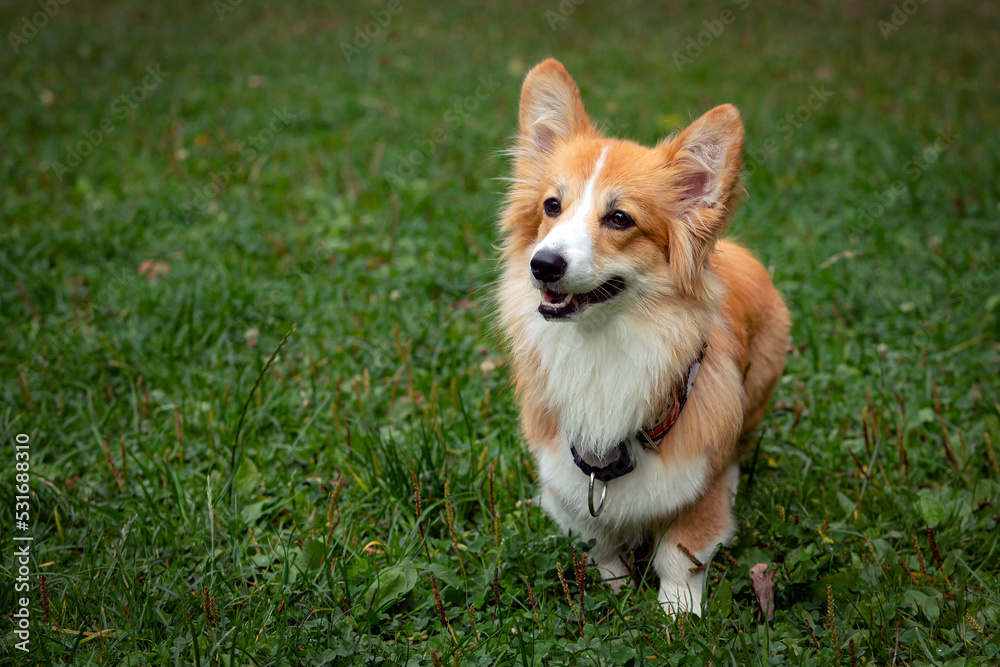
column 759, row 320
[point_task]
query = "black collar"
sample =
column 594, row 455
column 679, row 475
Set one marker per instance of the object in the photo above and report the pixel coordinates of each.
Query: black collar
column 623, row 464
column 649, row 437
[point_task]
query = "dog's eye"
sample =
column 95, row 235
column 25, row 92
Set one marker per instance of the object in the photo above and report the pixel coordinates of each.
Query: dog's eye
column 552, row 207
column 620, row 220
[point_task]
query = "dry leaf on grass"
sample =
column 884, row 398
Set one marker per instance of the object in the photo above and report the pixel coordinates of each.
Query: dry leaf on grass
column 152, row 269
column 763, row 587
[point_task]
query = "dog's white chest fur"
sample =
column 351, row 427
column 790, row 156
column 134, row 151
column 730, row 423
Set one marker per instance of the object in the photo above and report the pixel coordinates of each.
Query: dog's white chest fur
column 604, row 383
column 605, row 380
column 599, row 383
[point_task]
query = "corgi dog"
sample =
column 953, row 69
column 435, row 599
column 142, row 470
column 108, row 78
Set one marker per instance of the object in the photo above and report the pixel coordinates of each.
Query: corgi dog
column 641, row 345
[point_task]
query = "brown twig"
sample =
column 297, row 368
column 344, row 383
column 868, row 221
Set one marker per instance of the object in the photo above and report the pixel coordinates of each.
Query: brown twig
column 211, row 611
column 858, row 463
column 565, row 586
column 989, row 452
column 22, row 381
column 420, row 521
column 440, row 608
column 938, row 560
column 449, row 513
column 27, row 301
column 976, row 625
column 871, row 548
column 904, row 461
column 730, row 558
column 124, row 460
column 472, row 623
column 831, row 622
column 496, row 589
column 114, row 468
column 346, row 604
column 493, row 499
column 43, row 591
column 180, row 435
column 531, row 599
column 920, row 556
column 581, row 584
column 945, row 437
column 698, row 565
column 809, row 629
column 906, row 570
column 495, row 520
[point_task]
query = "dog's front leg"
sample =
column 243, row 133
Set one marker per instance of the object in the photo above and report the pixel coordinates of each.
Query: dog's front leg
column 607, row 553
column 611, row 566
column 692, row 536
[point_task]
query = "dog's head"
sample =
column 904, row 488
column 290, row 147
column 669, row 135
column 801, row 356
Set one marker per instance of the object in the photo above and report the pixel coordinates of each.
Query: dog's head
column 597, row 221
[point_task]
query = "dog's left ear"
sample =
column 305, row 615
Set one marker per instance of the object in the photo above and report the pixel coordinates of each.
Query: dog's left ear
column 703, row 168
column 551, row 109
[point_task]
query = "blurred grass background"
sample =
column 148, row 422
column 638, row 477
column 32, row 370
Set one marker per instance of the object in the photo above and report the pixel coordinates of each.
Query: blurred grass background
column 182, row 182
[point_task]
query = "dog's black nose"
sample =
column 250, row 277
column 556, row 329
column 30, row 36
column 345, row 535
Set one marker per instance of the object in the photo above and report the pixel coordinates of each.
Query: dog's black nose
column 548, row 266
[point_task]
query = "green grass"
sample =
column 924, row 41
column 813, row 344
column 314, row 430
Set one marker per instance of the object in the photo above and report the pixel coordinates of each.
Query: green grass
column 374, row 235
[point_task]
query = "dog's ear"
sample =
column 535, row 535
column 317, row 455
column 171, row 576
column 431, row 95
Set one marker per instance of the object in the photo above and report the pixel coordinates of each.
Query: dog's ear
column 703, row 167
column 551, row 108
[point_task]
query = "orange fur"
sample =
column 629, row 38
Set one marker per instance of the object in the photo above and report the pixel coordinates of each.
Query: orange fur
column 683, row 287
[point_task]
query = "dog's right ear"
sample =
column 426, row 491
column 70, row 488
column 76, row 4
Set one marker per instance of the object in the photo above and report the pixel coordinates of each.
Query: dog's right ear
column 551, row 108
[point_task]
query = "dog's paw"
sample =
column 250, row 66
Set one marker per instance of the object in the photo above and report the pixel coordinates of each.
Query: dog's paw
column 679, row 599
column 617, row 584
column 613, row 572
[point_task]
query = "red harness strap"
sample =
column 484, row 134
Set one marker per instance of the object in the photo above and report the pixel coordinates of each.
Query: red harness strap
column 651, row 437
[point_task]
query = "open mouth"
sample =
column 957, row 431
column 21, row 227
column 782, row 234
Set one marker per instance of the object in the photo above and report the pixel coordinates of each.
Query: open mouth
column 557, row 306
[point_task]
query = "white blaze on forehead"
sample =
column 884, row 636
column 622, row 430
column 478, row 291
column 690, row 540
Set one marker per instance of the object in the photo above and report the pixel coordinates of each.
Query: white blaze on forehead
column 571, row 238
